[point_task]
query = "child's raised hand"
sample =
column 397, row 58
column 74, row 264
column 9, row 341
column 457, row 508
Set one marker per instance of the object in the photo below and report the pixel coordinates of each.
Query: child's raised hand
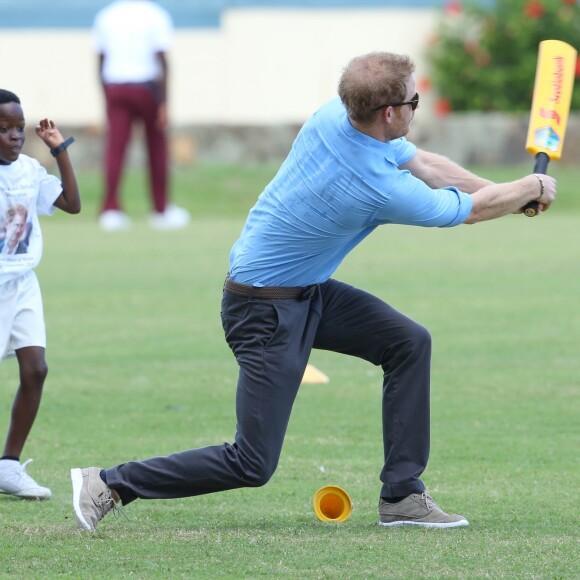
column 49, row 133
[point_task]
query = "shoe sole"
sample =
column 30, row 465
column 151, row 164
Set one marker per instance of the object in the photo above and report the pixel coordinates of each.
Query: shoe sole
column 115, row 228
column 459, row 524
column 37, row 496
column 76, row 476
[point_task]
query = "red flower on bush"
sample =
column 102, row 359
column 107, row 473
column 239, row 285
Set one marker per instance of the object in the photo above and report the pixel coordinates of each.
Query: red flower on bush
column 534, row 9
column 453, row 8
column 569, row 2
column 442, row 107
column 424, row 85
column 578, row 68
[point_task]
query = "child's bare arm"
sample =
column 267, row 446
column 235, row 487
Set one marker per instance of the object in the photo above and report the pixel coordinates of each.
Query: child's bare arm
column 69, row 200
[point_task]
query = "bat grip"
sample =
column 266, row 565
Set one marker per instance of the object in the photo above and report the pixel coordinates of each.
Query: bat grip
column 541, row 166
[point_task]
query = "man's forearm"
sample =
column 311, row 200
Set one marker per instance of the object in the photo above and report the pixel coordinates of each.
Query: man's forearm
column 502, row 199
column 438, row 171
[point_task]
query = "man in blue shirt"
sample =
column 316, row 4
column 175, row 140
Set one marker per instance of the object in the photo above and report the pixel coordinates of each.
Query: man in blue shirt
column 350, row 170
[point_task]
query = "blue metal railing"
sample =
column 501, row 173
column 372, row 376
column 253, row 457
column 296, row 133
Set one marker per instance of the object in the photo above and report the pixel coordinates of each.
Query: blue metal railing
column 186, row 13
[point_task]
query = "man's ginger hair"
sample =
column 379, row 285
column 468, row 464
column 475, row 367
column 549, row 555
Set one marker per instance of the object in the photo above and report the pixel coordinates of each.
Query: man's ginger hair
column 372, row 80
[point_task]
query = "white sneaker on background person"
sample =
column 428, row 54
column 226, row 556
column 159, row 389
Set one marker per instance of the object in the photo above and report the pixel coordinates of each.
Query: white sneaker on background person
column 173, row 218
column 114, row 220
column 15, row 481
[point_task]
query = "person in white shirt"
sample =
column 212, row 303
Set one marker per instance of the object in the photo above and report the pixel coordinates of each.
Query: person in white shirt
column 27, row 190
column 132, row 38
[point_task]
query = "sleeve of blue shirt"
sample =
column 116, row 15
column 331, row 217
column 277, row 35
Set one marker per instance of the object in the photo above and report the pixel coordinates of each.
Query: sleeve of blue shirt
column 410, row 201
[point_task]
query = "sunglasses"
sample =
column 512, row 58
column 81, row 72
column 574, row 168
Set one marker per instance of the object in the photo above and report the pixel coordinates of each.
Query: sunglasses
column 414, row 102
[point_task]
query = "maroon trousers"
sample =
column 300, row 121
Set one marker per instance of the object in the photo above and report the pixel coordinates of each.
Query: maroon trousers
column 127, row 104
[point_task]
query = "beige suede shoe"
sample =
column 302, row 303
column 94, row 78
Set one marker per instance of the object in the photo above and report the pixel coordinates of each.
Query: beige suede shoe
column 92, row 497
column 417, row 509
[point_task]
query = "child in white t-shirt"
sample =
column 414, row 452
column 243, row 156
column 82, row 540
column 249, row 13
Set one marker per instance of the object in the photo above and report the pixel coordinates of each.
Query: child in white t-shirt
column 27, row 190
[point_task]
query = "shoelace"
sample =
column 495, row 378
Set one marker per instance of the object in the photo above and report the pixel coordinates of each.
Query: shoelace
column 429, row 502
column 24, row 475
column 23, row 466
column 109, row 504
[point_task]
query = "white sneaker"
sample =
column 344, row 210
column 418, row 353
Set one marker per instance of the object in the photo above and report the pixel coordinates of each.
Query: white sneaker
column 114, row 220
column 173, row 218
column 15, row 481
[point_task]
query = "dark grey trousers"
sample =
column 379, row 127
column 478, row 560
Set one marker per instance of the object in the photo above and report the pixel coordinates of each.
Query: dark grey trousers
column 272, row 341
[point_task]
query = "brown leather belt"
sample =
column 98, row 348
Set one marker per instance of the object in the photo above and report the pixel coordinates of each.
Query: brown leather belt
column 270, row 292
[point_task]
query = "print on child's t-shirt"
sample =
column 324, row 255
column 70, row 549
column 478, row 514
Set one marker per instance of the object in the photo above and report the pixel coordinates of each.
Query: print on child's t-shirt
column 15, row 228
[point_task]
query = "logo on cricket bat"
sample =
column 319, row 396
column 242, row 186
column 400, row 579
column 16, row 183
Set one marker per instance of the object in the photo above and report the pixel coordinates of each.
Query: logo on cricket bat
column 556, row 92
column 558, row 79
column 548, row 138
column 550, row 114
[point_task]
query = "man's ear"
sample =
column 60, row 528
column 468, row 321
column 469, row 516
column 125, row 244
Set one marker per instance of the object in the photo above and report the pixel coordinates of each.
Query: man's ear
column 387, row 114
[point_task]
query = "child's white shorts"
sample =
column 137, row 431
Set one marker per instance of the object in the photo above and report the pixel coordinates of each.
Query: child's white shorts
column 21, row 315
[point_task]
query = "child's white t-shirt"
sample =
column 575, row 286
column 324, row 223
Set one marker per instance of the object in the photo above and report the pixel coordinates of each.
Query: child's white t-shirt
column 29, row 190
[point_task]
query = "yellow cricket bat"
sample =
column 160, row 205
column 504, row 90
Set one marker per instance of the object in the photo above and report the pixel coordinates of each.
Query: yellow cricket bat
column 555, row 73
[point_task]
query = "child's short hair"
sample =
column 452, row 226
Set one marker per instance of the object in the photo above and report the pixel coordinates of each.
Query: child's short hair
column 8, row 97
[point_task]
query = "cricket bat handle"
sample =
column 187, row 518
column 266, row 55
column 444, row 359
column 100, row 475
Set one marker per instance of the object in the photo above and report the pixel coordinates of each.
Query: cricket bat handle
column 541, row 166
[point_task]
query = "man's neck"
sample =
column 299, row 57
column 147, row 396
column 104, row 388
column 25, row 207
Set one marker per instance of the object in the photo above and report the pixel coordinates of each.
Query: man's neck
column 374, row 130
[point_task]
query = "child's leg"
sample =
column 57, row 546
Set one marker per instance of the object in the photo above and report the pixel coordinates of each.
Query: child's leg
column 33, row 371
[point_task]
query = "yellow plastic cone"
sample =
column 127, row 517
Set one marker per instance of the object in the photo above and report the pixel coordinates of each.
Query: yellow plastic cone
column 332, row 504
column 313, row 375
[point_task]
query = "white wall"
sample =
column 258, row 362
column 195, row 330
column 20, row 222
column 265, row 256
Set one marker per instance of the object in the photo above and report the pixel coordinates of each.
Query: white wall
column 262, row 66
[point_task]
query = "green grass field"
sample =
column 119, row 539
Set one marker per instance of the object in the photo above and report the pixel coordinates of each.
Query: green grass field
column 139, row 367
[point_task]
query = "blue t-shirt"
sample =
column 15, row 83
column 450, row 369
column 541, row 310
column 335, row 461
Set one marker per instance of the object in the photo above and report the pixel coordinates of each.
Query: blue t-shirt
column 335, row 187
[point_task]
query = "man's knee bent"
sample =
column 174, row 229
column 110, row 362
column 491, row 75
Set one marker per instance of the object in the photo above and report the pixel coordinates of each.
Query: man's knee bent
column 418, row 341
column 420, row 336
column 258, row 474
column 413, row 342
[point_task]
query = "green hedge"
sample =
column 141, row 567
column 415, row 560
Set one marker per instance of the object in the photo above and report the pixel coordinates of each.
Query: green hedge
column 484, row 55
